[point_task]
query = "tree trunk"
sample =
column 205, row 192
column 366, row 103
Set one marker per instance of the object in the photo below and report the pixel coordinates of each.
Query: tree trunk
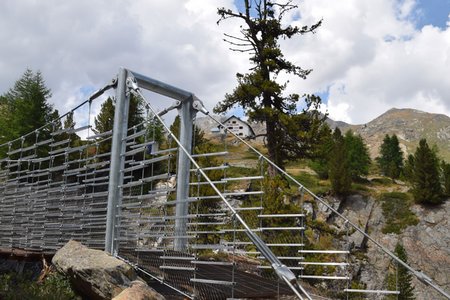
column 271, row 147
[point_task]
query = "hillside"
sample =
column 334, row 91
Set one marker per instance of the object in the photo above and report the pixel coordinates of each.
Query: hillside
column 409, row 125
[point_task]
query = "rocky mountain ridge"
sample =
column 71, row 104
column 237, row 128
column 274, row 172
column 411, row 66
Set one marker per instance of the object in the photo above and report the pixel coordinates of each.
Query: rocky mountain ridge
column 409, row 125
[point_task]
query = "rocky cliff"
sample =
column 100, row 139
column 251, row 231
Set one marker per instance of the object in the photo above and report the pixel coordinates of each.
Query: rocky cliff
column 427, row 244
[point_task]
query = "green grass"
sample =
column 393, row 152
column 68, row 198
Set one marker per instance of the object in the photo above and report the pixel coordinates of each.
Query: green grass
column 233, row 171
column 396, row 210
column 17, row 287
column 313, row 183
column 360, row 188
column 382, row 181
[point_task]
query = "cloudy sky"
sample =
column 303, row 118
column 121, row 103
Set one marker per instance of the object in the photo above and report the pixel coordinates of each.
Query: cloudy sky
column 367, row 57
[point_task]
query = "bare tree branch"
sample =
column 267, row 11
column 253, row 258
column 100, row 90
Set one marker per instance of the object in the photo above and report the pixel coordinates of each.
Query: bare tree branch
column 284, row 8
column 236, row 38
column 237, row 44
column 240, row 50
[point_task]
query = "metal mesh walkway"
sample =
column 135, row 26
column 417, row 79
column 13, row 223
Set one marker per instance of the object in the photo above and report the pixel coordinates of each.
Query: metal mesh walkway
column 247, row 285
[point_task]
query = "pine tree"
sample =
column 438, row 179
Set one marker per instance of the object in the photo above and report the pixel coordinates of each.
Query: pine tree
column 104, row 121
column 5, row 123
column 69, row 122
column 358, row 154
column 426, row 177
column 75, row 140
column 408, row 169
column 339, row 165
column 258, row 92
column 391, row 157
column 322, row 151
column 27, row 106
column 403, row 282
column 384, row 158
column 446, row 178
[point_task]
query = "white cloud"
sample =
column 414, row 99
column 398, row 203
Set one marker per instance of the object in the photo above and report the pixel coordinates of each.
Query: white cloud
column 405, row 8
column 83, row 43
column 370, row 57
column 367, row 55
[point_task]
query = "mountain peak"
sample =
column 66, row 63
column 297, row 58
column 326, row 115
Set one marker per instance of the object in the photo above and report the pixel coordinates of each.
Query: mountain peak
column 410, row 126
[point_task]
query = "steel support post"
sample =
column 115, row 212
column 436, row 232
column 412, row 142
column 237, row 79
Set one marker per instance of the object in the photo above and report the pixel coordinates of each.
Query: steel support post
column 187, row 114
column 117, row 162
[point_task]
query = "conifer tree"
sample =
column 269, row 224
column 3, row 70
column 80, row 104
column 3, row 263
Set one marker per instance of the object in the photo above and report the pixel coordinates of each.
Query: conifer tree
column 322, row 152
column 75, row 140
column 5, row 114
column 104, row 121
column 408, row 169
column 339, row 165
column 446, row 177
column 426, row 177
column 69, row 122
column 258, row 92
column 358, row 154
column 26, row 107
column 391, row 157
column 403, row 282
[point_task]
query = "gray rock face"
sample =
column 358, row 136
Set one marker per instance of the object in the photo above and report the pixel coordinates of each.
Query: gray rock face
column 357, row 209
column 323, row 212
column 93, row 273
column 427, row 245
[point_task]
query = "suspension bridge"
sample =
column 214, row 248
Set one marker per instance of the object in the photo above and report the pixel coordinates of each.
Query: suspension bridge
column 191, row 219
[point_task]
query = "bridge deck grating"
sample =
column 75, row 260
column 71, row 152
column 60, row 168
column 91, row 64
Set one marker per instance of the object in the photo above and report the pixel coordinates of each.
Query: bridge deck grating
column 248, row 285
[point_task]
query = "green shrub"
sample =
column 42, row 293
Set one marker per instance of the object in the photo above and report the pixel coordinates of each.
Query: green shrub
column 382, row 181
column 320, row 168
column 313, row 183
column 396, row 212
column 358, row 187
column 15, row 286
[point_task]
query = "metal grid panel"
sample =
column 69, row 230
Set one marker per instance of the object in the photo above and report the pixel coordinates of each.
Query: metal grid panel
column 51, row 191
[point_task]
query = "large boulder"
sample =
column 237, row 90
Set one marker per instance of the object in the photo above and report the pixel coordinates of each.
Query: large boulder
column 139, row 291
column 93, row 273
